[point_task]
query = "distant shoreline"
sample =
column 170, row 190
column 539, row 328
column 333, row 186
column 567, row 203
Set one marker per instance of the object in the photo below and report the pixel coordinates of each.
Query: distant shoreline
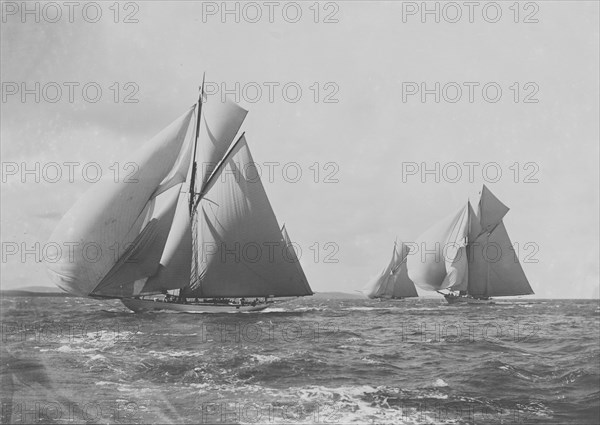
column 42, row 291
column 36, row 294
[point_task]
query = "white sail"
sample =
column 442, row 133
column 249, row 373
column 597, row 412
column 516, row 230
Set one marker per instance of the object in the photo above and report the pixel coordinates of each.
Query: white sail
column 440, row 260
column 475, row 229
column 180, row 171
column 142, row 258
column 176, row 261
column 393, row 281
column 220, row 123
column 240, row 248
column 376, row 286
column 455, row 254
column 110, row 216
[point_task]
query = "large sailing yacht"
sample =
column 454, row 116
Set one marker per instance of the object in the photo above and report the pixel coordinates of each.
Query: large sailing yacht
column 470, row 257
column 193, row 230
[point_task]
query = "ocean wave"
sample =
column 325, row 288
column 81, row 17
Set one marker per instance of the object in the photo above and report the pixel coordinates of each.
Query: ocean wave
column 174, row 353
column 264, row 359
column 358, row 362
column 361, row 404
column 368, row 308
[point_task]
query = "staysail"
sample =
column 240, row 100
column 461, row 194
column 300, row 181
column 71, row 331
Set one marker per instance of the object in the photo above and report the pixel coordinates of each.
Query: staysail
column 393, row 281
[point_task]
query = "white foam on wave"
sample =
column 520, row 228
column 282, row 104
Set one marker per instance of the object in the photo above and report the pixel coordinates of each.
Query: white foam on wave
column 264, row 358
column 135, row 389
column 174, row 353
column 421, row 309
column 201, row 386
column 361, row 404
column 371, row 361
column 70, row 349
column 367, row 308
column 97, row 357
column 440, row 383
column 90, row 342
column 346, row 405
column 306, row 309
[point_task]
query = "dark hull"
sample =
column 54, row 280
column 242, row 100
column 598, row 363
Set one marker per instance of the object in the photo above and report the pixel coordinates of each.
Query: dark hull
column 461, row 299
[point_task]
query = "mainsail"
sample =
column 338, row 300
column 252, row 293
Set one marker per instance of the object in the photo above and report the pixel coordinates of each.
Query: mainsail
column 470, row 253
column 152, row 235
column 393, row 281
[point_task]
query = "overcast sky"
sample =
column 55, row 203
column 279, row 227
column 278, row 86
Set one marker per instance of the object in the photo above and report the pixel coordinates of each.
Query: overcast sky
column 356, row 117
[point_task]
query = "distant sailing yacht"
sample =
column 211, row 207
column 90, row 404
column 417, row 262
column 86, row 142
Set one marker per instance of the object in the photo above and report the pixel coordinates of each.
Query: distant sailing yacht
column 214, row 249
column 470, row 256
column 393, row 282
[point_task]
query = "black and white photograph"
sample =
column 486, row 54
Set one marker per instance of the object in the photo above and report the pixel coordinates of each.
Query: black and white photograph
column 300, row 212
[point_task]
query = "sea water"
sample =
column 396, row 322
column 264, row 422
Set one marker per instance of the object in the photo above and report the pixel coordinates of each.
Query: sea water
column 311, row 360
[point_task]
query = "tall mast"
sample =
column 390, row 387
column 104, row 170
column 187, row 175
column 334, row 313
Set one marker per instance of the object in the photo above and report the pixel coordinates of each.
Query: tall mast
column 487, row 272
column 468, row 245
column 194, row 166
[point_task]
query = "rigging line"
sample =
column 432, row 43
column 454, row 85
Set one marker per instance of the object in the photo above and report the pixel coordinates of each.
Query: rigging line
column 211, row 201
column 489, row 232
